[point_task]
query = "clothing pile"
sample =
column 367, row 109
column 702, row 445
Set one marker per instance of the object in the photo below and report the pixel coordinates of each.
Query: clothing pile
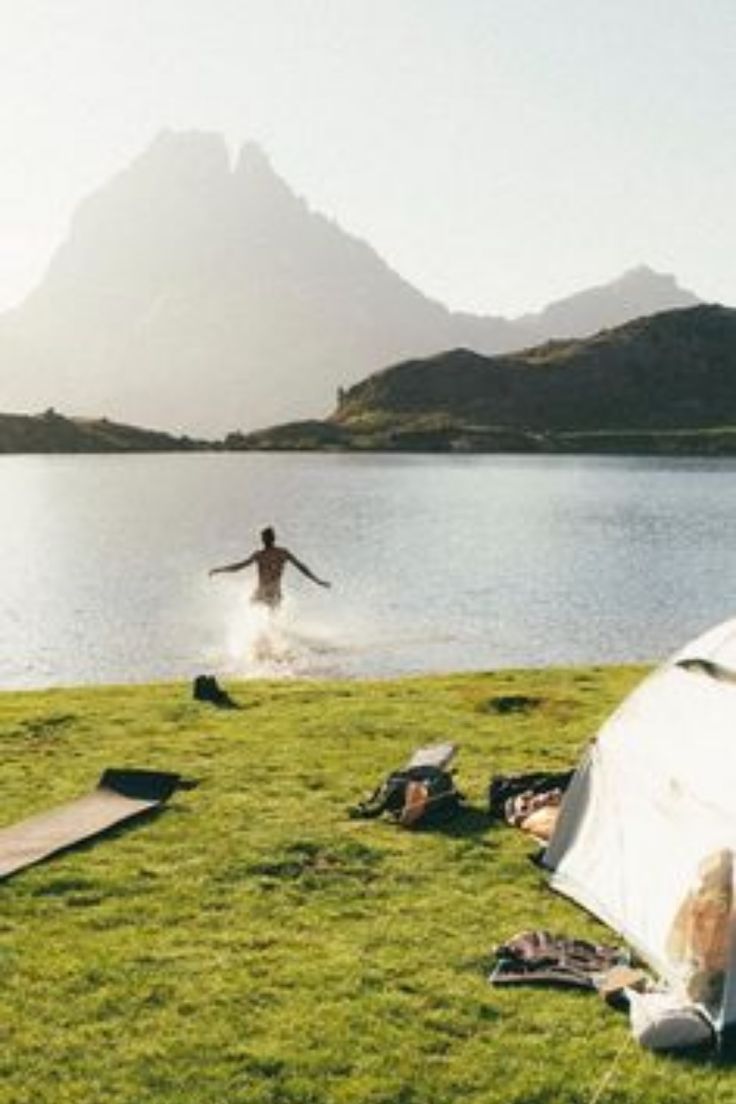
column 529, row 801
column 538, row 957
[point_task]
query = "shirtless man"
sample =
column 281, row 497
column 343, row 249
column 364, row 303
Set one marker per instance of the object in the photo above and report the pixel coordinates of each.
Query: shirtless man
column 270, row 562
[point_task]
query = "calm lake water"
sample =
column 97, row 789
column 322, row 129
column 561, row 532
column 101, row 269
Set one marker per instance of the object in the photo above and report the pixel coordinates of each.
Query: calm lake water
column 437, row 563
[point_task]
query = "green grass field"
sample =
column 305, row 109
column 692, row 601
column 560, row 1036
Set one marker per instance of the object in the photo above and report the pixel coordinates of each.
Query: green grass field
column 253, row 944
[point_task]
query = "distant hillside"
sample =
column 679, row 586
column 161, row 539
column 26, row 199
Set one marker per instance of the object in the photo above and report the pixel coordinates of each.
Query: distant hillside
column 665, row 383
column 203, row 297
column 637, row 293
column 50, row 432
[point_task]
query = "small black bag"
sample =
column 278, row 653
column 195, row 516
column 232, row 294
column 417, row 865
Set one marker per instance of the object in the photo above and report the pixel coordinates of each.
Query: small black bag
column 205, row 688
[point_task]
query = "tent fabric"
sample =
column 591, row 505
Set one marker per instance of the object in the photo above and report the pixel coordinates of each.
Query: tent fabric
column 119, row 795
column 648, row 826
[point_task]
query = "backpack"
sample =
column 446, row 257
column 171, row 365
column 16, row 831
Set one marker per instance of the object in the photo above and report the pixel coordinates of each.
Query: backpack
column 416, row 796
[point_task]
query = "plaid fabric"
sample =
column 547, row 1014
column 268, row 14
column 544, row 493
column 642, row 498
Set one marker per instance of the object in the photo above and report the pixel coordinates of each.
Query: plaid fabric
column 538, row 957
column 518, row 808
column 504, row 787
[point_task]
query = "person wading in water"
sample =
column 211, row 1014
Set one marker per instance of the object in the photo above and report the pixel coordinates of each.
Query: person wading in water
column 270, row 562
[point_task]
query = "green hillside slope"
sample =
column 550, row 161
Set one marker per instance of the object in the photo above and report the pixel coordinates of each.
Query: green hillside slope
column 51, row 432
column 666, row 383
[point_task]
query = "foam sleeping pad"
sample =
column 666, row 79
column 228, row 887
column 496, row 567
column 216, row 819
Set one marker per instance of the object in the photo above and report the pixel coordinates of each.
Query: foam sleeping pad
column 119, row 796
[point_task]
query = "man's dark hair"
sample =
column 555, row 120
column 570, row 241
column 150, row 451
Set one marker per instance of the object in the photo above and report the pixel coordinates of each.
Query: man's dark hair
column 268, row 536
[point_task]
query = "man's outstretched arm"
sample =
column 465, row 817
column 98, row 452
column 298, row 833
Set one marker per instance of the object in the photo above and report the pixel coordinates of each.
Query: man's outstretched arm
column 234, row 566
column 305, row 570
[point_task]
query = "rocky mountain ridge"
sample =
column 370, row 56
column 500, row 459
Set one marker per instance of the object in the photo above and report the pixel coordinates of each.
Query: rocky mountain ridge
column 203, row 295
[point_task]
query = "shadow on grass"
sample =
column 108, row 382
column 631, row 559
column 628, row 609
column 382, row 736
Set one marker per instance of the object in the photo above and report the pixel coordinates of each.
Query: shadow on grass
column 469, row 822
column 305, row 859
column 504, row 704
column 723, row 1057
column 52, row 724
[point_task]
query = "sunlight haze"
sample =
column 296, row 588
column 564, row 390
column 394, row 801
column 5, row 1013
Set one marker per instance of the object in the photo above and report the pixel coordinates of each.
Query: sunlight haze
column 497, row 154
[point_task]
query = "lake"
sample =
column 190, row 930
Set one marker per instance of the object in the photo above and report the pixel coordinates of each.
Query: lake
column 438, row 563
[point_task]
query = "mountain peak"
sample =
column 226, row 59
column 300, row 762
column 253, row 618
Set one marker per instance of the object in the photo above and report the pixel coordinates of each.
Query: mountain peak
column 643, row 271
column 643, row 276
column 637, row 291
column 201, row 292
column 253, row 159
column 187, row 152
column 255, row 173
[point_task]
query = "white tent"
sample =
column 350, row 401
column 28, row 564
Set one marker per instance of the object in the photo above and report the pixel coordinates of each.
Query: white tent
column 647, row 829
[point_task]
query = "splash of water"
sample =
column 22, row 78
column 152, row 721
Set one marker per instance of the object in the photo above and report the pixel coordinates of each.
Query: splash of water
column 293, row 642
column 277, row 643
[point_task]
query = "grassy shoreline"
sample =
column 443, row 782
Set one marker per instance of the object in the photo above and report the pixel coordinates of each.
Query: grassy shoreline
column 252, row 944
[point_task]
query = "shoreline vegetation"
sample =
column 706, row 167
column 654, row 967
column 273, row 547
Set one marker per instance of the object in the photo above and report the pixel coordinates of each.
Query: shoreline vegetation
column 52, row 433
column 432, row 435
column 252, row 943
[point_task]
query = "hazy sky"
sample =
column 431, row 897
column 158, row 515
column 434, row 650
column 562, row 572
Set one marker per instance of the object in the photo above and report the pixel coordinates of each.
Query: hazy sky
column 498, row 153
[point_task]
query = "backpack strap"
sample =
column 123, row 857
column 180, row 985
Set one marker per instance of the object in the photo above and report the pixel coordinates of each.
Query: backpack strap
column 389, row 794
